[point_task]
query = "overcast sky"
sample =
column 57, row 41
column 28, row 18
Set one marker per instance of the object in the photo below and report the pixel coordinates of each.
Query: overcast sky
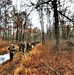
column 34, row 15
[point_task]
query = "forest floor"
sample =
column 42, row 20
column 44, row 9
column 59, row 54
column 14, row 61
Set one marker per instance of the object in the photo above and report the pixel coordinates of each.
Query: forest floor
column 41, row 60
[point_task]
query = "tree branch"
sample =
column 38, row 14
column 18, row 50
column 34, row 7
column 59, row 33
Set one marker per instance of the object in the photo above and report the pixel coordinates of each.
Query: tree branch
column 65, row 16
column 38, row 4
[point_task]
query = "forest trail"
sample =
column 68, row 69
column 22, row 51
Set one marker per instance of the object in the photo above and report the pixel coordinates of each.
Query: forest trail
column 40, row 61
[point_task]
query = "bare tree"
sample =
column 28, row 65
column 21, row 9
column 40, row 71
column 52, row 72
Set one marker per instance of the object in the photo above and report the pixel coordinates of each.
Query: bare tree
column 4, row 4
column 54, row 3
column 40, row 10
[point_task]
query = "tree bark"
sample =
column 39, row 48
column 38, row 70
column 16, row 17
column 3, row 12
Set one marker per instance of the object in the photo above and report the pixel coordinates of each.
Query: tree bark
column 54, row 3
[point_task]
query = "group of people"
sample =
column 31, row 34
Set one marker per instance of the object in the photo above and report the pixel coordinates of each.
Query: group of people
column 22, row 46
column 27, row 46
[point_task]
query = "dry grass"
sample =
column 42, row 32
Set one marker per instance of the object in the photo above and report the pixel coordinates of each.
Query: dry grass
column 41, row 60
column 4, row 47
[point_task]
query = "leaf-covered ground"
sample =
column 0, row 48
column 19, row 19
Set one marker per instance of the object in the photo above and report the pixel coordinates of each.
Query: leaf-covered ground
column 41, row 60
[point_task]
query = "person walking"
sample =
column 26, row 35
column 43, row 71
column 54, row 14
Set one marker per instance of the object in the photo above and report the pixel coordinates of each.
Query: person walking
column 11, row 51
column 21, row 46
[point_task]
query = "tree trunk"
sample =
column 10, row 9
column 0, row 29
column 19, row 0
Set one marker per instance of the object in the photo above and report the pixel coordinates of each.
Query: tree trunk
column 42, row 24
column 24, row 29
column 54, row 3
column 17, row 34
